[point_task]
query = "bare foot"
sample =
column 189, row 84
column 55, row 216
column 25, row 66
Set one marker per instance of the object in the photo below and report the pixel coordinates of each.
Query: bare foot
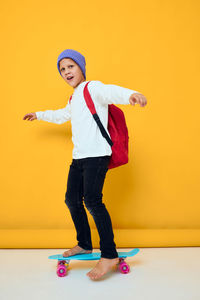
column 76, row 250
column 103, row 266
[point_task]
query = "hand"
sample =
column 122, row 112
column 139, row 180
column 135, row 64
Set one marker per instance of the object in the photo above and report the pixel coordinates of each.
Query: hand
column 137, row 98
column 30, row 117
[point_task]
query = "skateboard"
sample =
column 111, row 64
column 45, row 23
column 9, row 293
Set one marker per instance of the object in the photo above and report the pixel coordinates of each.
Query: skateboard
column 63, row 262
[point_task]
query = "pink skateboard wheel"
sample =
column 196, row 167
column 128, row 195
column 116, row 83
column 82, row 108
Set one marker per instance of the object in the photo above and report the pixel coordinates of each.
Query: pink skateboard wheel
column 61, row 270
column 61, row 262
column 124, row 268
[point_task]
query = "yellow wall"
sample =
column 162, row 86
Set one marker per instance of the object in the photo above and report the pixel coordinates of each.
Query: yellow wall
column 149, row 46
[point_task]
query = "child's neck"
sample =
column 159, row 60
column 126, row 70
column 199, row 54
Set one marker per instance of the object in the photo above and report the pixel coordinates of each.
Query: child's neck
column 79, row 84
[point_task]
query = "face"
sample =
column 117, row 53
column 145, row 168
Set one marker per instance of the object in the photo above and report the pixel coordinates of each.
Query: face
column 70, row 68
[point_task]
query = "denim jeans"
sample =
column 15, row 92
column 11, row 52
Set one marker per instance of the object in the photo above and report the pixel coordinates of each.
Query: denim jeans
column 85, row 182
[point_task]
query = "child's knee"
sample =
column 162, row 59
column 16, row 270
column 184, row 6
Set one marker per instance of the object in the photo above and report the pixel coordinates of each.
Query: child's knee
column 72, row 201
column 94, row 204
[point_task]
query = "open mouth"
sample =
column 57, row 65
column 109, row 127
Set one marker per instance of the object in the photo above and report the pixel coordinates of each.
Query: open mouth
column 70, row 78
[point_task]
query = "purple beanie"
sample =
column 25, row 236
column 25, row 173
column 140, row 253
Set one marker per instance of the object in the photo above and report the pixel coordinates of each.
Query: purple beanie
column 76, row 56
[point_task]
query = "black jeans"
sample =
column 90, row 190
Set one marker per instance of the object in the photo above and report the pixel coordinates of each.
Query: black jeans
column 85, row 180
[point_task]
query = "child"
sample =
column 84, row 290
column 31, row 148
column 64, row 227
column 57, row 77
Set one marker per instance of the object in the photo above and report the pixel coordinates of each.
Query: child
column 91, row 155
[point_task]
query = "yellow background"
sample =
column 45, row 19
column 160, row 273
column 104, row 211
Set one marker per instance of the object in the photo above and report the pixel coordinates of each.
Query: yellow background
column 149, row 46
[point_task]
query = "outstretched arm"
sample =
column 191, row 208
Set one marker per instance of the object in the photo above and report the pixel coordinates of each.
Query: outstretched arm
column 114, row 94
column 58, row 116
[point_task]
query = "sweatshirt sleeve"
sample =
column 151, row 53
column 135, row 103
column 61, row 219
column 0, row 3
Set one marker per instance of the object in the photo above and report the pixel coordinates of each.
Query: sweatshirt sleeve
column 58, row 116
column 109, row 93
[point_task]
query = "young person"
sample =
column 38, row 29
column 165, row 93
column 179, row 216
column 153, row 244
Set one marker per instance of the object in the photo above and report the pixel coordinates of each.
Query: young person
column 91, row 155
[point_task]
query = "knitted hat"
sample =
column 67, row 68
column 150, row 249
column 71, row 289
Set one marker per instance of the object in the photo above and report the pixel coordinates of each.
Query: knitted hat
column 76, row 56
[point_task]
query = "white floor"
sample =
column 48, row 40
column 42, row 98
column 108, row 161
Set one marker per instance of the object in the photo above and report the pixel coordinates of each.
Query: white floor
column 156, row 273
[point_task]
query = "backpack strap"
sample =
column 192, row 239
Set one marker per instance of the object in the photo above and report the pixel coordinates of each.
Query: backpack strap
column 90, row 105
column 70, row 98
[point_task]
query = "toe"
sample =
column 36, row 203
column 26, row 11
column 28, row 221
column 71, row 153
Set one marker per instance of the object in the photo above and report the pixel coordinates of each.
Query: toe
column 99, row 275
column 95, row 274
column 92, row 275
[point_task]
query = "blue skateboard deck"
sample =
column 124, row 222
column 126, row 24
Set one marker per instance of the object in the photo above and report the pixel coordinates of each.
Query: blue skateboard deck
column 63, row 262
column 92, row 256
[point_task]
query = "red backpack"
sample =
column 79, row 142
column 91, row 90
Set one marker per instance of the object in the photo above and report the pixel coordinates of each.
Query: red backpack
column 117, row 129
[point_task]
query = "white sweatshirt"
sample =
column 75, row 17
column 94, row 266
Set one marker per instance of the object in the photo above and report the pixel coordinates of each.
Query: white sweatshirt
column 86, row 135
